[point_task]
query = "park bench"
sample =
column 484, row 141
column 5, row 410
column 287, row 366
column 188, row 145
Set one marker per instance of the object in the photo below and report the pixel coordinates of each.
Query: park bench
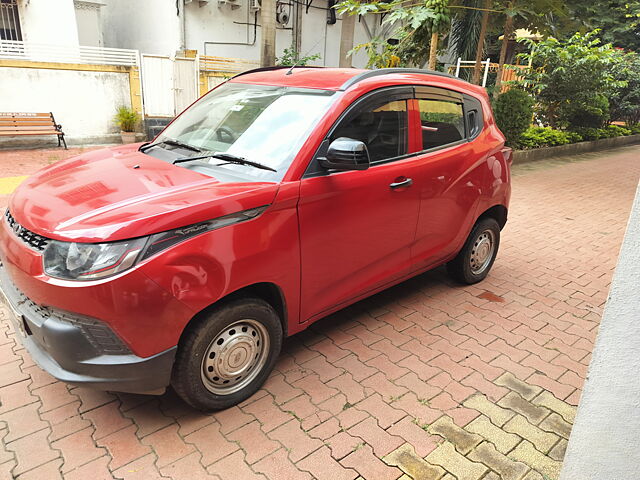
column 17, row 124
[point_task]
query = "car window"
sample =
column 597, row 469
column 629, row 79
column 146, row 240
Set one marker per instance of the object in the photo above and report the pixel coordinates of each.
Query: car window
column 382, row 128
column 442, row 123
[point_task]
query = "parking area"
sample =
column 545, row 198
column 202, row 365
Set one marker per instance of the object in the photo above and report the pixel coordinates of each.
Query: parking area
column 428, row 380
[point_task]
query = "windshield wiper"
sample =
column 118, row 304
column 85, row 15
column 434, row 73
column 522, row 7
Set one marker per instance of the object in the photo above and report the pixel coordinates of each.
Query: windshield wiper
column 169, row 141
column 227, row 157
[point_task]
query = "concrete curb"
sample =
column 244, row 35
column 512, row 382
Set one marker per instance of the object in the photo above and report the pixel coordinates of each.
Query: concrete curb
column 535, row 154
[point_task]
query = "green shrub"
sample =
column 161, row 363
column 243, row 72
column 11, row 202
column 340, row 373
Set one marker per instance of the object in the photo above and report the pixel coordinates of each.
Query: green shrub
column 634, row 128
column 617, row 131
column 126, row 119
column 593, row 113
column 574, row 137
column 535, row 137
column 589, row 134
column 513, row 110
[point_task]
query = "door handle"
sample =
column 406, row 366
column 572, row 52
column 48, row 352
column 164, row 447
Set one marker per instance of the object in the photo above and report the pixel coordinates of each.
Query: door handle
column 404, row 183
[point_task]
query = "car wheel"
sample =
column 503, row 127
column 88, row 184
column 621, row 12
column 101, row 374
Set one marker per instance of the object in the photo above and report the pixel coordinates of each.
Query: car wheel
column 476, row 258
column 225, row 356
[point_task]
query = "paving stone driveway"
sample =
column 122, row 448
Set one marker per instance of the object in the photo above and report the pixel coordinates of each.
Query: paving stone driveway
column 427, row 380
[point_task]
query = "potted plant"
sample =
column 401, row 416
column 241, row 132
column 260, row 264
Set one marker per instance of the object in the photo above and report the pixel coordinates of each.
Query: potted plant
column 127, row 119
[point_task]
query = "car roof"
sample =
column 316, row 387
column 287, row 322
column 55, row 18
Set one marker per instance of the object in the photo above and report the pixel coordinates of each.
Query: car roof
column 339, row 79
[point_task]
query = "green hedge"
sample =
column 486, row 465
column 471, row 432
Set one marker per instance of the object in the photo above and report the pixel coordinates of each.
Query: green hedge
column 536, row 137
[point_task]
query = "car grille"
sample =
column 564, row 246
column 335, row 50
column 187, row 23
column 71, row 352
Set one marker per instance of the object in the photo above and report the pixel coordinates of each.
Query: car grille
column 33, row 240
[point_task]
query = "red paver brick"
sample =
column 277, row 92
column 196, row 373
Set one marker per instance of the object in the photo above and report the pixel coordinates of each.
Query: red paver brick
column 231, row 419
column 570, row 378
column 322, row 466
column 544, row 353
column 488, row 371
column 379, row 383
column 322, row 368
column 560, row 390
column 330, row 350
column 282, row 391
column 278, row 466
column 313, row 386
column 566, row 362
column 515, row 354
column 97, row 469
column 417, row 408
column 267, row 413
column 22, row 421
column 123, row 446
column 148, row 418
column 107, row 419
column 385, row 414
column 415, row 364
column 211, row 443
column 143, row 468
column 504, row 362
column 369, row 466
column 253, row 441
column 454, row 369
column 168, row 445
column 54, row 396
column 422, row 441
column 380, row 440
column 345, row 383
column 549, row 369
column 359, row 370
column 91, row 398
column 78, row 449
column 481, row 384
column 233, row 467
column 187, row 468
column 32, row 451
column 363, row 352
column 295, row 440
column 11, row 373
column 48, row 471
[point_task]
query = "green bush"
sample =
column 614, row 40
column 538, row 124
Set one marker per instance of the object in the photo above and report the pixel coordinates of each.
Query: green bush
column 513, row 110
column 634, row 128
column 617, row 131
column 594, row 113
column 535, row 137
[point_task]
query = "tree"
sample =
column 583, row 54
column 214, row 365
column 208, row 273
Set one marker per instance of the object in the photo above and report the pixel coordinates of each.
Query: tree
column 625, row 101
column 484, row 23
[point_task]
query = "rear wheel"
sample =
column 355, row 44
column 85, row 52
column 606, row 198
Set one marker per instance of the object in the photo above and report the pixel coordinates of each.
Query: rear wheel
column 476, row 258
column 226, row 356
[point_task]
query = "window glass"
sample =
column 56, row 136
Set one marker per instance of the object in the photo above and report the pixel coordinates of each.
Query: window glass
column 382, row 128
column 442, row 123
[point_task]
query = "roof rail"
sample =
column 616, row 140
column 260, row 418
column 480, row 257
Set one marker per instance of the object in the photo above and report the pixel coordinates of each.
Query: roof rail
column 277, row 67
column 388, row 71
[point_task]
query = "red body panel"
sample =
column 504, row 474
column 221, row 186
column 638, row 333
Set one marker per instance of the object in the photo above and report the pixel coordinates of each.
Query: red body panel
column 324, row 241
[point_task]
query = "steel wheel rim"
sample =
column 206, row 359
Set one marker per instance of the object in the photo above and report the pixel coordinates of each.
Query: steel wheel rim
column 482, row 251
column 235, row 357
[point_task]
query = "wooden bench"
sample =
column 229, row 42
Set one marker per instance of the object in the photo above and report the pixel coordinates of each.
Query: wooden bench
column 17, row 124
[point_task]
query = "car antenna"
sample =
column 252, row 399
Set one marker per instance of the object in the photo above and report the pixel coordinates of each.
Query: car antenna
column 290, row 71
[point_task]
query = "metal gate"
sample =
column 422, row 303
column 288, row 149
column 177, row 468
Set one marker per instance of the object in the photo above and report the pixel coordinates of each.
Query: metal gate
column 169, row 85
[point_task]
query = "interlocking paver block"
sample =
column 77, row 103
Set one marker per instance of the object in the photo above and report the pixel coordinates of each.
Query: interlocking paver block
column 555, row 423
column 368, row 465
column 558, row 452
column 448, row 458
column 322, row 465
column 464, row 441
column 411, row 464
column 507, row 379
column 541, row 439
column 525, row 452
column 566, row 411
column 508, row 469
column 498, row 415
column 502, row 440
column 534, row 413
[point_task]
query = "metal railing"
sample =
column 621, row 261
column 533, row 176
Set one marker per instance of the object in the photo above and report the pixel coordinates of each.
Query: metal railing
column 209, row 63
column 37, row 52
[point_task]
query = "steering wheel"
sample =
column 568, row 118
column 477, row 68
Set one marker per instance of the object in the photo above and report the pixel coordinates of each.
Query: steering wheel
column 222, row 132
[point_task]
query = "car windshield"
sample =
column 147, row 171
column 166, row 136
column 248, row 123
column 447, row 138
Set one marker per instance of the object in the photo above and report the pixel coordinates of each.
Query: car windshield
column 263, row 124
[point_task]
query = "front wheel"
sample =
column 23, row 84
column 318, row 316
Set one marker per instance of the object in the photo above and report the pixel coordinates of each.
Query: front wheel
column 476, row 258
column 225, row 356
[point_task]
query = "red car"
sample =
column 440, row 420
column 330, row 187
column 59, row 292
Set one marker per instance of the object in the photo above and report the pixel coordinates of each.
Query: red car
column 279, row 197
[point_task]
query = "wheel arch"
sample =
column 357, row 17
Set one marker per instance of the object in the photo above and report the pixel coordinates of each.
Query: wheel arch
column 267, row 291
column 498, row 213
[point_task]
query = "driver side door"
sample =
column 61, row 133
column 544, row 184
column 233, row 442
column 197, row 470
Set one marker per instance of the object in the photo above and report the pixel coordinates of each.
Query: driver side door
column 357, row 227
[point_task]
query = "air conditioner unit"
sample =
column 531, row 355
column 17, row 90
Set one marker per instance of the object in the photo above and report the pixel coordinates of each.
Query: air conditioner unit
column 232, row 3
column 255, row 5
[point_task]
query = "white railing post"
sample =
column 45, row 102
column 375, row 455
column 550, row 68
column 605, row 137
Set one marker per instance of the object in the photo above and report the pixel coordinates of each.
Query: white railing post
column 458, row 67
column 486, row 72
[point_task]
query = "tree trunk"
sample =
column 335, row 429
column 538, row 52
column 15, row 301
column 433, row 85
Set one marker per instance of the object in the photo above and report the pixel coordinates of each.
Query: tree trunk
column 477, row 69
column 268, row 33
column 508, row 30
column 433, row 51
column 346, row 39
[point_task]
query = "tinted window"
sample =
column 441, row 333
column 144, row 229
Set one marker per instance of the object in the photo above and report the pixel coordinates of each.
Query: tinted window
column 442, row 123
column 382, row 128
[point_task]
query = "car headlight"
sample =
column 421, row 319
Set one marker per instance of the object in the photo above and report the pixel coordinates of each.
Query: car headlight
column 92, row 261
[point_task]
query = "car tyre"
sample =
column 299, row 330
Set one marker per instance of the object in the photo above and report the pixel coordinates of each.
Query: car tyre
column 473, row 262
column 226, row 355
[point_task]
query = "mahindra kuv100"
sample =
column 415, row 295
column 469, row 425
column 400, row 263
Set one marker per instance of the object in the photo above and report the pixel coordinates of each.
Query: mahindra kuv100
column 279, row 197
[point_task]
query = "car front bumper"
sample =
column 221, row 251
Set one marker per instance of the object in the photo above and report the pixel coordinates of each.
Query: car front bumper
column 81, row 350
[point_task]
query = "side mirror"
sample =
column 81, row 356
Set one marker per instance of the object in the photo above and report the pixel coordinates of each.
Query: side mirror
column 346, row 154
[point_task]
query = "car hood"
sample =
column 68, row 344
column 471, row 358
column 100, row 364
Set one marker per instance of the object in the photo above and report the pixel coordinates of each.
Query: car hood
column 119, row 193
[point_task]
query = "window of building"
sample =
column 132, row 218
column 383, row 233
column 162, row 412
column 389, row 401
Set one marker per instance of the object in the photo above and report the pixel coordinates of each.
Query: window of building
column 9, row 21
column 442, row 123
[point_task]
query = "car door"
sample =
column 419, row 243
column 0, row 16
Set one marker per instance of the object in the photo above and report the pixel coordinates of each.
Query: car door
column 451, row 174
column 357, row 227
